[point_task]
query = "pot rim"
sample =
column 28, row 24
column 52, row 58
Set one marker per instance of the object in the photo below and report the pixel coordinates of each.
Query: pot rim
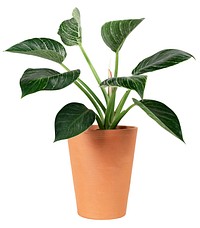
column 95, row 128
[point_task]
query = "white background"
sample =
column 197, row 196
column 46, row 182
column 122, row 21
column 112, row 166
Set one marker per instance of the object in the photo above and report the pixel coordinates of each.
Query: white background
column 36, row 188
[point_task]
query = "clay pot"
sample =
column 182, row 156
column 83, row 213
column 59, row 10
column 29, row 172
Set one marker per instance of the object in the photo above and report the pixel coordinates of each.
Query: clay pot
column 101, row 162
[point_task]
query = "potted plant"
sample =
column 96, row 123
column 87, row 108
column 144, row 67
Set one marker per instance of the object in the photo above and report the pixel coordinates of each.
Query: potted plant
column 101, row 154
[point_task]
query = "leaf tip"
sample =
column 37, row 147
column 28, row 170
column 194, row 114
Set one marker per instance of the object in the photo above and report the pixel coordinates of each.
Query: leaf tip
column 23, row 95
column 75, row 11
column 8, row 50
column 193, row 57
column 181, row 138
column 55, row 140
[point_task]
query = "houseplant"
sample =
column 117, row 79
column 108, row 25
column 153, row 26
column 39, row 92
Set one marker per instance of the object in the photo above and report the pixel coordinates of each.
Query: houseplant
column 75, row 121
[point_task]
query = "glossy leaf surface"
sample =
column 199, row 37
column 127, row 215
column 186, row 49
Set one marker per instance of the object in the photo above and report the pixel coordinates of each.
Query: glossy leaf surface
column 160, row 60
column 162, row 114
column 114, row 33
column 73, row 119
column 34, row 80
column 136, row 83
column 41, row 47
column 70, row 30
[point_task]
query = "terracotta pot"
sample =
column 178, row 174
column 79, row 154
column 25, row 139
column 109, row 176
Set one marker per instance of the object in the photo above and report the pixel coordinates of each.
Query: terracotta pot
column 101, row 163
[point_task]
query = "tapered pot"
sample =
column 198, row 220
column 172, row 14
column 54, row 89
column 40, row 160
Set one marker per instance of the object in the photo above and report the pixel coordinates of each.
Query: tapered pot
column 101, row 162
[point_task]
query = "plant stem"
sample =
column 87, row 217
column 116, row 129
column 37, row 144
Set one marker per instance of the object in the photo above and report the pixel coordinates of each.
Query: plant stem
column 93, row 94
column 100, row 122
column 120, row 116
column 90, row 94
column 92, row 100
column 122, row 102
column 110, row 110
column 116, row 64
column 94, row 72
column 65, row 67
column 111, row 105
column 88, row 89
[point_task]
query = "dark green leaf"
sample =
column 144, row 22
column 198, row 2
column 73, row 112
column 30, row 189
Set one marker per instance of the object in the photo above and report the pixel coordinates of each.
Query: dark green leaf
column 73, row 119
column 70, row 30
column 114, row 33
column 160, row 60
column 41, row 47
column 34, row 80
column 163, row 115
column 136, row 83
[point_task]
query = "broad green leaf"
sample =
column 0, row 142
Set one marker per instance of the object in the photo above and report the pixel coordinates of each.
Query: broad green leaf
column 114, row 33
column 160, row 60
column 70, row 30
column 34, row 80
column 41, row 47
column 163, row 115
column 73, row 119
column 136, row 83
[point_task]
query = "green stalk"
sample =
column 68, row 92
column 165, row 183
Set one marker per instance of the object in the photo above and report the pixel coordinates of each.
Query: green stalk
column 100, row 123
column 65, row 67
column 88, row 92
column 110, row 110
column 122, row 102
column 120, row 116
column 94, row 72
column 100, row 118
column 88, row 89
column 116, row 64
column 93, row 94
column 110, row 114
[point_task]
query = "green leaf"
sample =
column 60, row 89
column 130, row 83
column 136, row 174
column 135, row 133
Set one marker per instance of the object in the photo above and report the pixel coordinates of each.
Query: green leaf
column 41, row 47
column 114, row 33
column 160, row 60
column 70, row 30
column 73, row 119
column 136, row 83
column 163, row 115
column 34, row 80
